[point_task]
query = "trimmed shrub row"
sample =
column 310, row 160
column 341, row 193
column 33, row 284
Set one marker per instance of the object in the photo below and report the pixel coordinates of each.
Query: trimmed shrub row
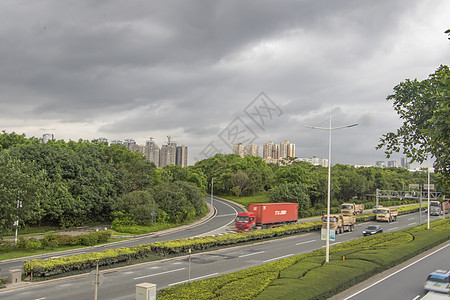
column 307, row 276
column 157, row 250
column 56, row 240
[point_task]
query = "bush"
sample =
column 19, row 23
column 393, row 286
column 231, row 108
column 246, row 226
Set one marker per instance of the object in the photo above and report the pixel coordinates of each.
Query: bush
column 29, row 244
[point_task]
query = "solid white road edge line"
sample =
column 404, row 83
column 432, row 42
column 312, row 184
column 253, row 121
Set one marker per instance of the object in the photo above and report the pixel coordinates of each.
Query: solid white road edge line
column 413, row 263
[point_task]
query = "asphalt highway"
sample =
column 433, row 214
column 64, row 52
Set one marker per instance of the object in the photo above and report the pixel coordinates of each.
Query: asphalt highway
column 120, row 283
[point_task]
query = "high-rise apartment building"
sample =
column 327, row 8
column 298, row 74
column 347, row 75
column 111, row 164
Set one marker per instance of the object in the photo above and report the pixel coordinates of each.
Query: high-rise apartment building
column 239, row 149
column 270, row 151
column 392, row 164
column 181, row 156
column 404, row 163
column 167, row 154
column 251, row 149
column 274, row 153
column 243, row 150
column 151, row 152
column 287, row 149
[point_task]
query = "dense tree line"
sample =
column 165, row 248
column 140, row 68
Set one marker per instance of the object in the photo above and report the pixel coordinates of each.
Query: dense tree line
column 68, row 184
column 303, row 182
column 72, row 183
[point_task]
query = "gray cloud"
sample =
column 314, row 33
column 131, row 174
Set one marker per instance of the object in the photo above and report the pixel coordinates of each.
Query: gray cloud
column 188, row 68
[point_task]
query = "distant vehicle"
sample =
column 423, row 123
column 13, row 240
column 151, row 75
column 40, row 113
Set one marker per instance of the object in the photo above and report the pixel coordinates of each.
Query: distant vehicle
column 376, row 208
column 372, row 229
column 438, row 281
column 436, row 208
column 339, row 223
column 349, row 209
column 387, row 214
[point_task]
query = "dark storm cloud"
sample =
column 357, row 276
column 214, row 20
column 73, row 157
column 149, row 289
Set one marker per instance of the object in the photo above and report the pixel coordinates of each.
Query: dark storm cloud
column 129, row 68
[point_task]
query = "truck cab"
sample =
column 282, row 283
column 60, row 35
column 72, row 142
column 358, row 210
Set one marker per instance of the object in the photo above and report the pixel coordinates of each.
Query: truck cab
column 245, row 221
column 436, row 208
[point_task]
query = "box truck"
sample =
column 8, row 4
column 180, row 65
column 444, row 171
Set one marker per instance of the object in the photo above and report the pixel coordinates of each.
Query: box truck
column 266, row 215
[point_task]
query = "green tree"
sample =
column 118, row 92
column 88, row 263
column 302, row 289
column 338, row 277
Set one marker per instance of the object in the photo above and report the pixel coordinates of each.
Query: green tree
column 424, row 108
column 291, row 192
column 181, row 201
column 138, row 205
column 21, row 182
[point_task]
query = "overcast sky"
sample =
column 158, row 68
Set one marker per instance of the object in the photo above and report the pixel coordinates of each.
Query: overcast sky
column 210, row 73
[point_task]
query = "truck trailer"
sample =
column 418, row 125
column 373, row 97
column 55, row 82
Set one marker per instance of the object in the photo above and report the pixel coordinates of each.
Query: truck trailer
column 266, row 215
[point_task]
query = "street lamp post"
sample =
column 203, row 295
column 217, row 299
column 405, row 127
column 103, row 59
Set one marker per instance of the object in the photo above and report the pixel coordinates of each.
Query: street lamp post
column 428, row 190
column 212, row 191
column 329, row 179
column 16, row 223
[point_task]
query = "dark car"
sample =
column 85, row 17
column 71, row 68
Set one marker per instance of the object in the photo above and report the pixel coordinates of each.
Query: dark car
column 372, row 229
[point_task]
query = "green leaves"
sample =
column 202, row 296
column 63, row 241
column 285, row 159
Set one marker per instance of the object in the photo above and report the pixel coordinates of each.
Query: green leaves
column 424, row 108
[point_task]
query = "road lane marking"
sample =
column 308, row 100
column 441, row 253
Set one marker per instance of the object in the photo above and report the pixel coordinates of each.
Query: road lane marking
column 193, row 279
column 392, row 228
column 411, row 218
column 227, row 215
column 162, row 273
column 41, row 298
column 244, row 255
column 305, row 242
column 413, row 263
column 411, row 224
column 277, row 258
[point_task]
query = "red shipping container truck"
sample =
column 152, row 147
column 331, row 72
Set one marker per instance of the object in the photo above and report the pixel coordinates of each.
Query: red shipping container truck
column 266, row 215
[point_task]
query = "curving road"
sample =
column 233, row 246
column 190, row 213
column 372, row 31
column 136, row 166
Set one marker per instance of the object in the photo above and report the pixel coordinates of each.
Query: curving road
column 222, row 219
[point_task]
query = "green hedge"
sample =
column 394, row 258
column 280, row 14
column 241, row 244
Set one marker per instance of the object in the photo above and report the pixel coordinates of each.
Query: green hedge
column 56, row 240
column 307, row 276
column 157, row 250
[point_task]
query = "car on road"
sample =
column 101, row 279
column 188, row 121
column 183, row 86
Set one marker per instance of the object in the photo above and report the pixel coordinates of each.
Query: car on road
column 438, row 281
column 372, row 229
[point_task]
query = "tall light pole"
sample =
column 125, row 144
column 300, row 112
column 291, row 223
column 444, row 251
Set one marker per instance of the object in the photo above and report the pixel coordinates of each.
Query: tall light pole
column 329, row 179
column 212, row 191
column 16, row 223
column 428, row 210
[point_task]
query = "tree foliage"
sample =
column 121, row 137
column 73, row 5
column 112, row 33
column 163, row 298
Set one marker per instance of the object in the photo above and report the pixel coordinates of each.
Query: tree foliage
column 291, row 192
column 424, row 108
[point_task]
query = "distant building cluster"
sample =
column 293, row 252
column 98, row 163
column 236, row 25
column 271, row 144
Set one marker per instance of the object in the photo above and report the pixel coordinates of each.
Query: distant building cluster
column 317, row 161
column 272, row 153
column 169, row 154
column 244, row 150
column 392, row 163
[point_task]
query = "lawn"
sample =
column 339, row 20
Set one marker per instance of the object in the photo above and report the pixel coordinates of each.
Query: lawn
column 258, row 198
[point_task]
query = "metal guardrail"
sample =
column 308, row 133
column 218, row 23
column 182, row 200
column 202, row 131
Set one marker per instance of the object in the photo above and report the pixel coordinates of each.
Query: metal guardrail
column 409, row 194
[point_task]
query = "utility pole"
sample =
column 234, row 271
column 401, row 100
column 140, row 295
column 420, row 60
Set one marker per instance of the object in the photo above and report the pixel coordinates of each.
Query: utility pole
column 16, row 223
column 329, row 179
column 212, row 191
